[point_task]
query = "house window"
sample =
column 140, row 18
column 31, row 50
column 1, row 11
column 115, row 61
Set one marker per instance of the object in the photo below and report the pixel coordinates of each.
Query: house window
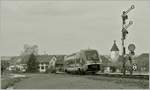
column 42, row 67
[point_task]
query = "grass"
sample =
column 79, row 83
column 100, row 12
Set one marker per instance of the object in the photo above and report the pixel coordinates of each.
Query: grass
column 141, row 83
column 9, row 82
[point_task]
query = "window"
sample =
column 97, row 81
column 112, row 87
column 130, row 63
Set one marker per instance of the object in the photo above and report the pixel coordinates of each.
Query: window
column 42, row 67
column 92, row 55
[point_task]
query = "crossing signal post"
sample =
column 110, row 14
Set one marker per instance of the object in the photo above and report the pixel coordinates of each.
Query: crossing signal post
column 131, row 49
column 124, row 33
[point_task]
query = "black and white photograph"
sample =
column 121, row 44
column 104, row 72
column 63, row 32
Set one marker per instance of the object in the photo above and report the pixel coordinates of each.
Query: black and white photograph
column 74, row 44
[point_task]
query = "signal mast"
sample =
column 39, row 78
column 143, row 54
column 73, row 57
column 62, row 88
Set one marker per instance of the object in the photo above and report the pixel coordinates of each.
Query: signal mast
column 124, row 33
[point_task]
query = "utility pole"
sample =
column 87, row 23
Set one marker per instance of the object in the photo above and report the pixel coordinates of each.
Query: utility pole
column 124, row 32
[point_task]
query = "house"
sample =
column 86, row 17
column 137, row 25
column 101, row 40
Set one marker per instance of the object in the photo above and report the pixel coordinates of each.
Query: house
column 44, row 61
column 50, row 61
column 19, row 63
column 112, row 62
column 108, row 66
column 114, row 52
column 57, row 63
column 16, row 64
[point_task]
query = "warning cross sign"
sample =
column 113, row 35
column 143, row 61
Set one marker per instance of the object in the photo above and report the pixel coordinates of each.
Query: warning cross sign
column 134, row 67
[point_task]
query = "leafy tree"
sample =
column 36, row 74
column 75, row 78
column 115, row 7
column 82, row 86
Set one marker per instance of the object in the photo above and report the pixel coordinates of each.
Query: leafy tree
column 4, row 65
column 32, row 64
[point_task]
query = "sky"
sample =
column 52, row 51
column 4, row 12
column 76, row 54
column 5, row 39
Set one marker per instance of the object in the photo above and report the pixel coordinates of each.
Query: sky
column 65, row 27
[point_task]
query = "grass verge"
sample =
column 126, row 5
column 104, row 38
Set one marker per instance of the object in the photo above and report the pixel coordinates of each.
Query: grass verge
column 9, row 82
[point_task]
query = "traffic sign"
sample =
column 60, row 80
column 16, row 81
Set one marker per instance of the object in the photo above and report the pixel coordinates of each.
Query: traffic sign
column 131, row 47
column 134, row 67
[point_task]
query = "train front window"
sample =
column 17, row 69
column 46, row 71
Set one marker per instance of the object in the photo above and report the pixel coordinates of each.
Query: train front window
column 92, row 55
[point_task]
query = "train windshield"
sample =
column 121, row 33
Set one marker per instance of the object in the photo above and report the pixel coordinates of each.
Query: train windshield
column 92, row 55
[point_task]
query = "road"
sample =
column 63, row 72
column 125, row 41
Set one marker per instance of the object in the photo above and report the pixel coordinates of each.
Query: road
column 65, row 81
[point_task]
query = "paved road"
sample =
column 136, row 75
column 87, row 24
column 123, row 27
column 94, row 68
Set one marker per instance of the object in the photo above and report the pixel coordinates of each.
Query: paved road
column 65, row 81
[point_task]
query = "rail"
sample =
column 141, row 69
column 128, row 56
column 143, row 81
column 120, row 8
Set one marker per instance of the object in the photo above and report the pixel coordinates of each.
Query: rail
column 126, row 76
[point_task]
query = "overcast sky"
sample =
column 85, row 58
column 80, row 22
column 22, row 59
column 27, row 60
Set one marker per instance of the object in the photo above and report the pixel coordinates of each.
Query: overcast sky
column 64, row 27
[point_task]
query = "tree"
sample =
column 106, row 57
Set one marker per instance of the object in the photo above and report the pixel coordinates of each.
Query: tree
column 29, row 49
column 32, row 64
column 4, row 65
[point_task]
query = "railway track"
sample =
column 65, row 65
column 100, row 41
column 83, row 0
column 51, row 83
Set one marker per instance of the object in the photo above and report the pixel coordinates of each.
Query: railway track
column 126, row 76
column 146, row 77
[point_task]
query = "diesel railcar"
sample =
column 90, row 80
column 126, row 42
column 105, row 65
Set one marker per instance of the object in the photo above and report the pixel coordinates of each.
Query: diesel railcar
column 82, row 62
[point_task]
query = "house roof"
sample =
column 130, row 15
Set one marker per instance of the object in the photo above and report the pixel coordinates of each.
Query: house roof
column 24, row 59
column 44, row 58
column 60, row 59
column 114, row 47
column 40, row 58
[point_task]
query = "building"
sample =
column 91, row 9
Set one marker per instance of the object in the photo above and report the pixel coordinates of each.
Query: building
column 111, row 63
column 57, row 62
column 114, row 52
column 44, row 61
column 19, row 63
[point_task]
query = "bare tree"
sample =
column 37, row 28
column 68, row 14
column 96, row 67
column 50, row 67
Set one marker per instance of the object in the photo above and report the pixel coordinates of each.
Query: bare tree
column 28, row 50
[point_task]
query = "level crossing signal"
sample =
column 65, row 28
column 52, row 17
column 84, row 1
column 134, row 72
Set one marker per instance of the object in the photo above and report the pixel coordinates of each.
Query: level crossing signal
column 134, row 67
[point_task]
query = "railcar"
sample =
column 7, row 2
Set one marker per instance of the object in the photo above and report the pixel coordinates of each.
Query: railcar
column 82, row 62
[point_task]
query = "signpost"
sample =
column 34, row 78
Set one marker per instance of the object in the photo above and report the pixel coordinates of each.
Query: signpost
column 134, row 67
column 131, row 48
